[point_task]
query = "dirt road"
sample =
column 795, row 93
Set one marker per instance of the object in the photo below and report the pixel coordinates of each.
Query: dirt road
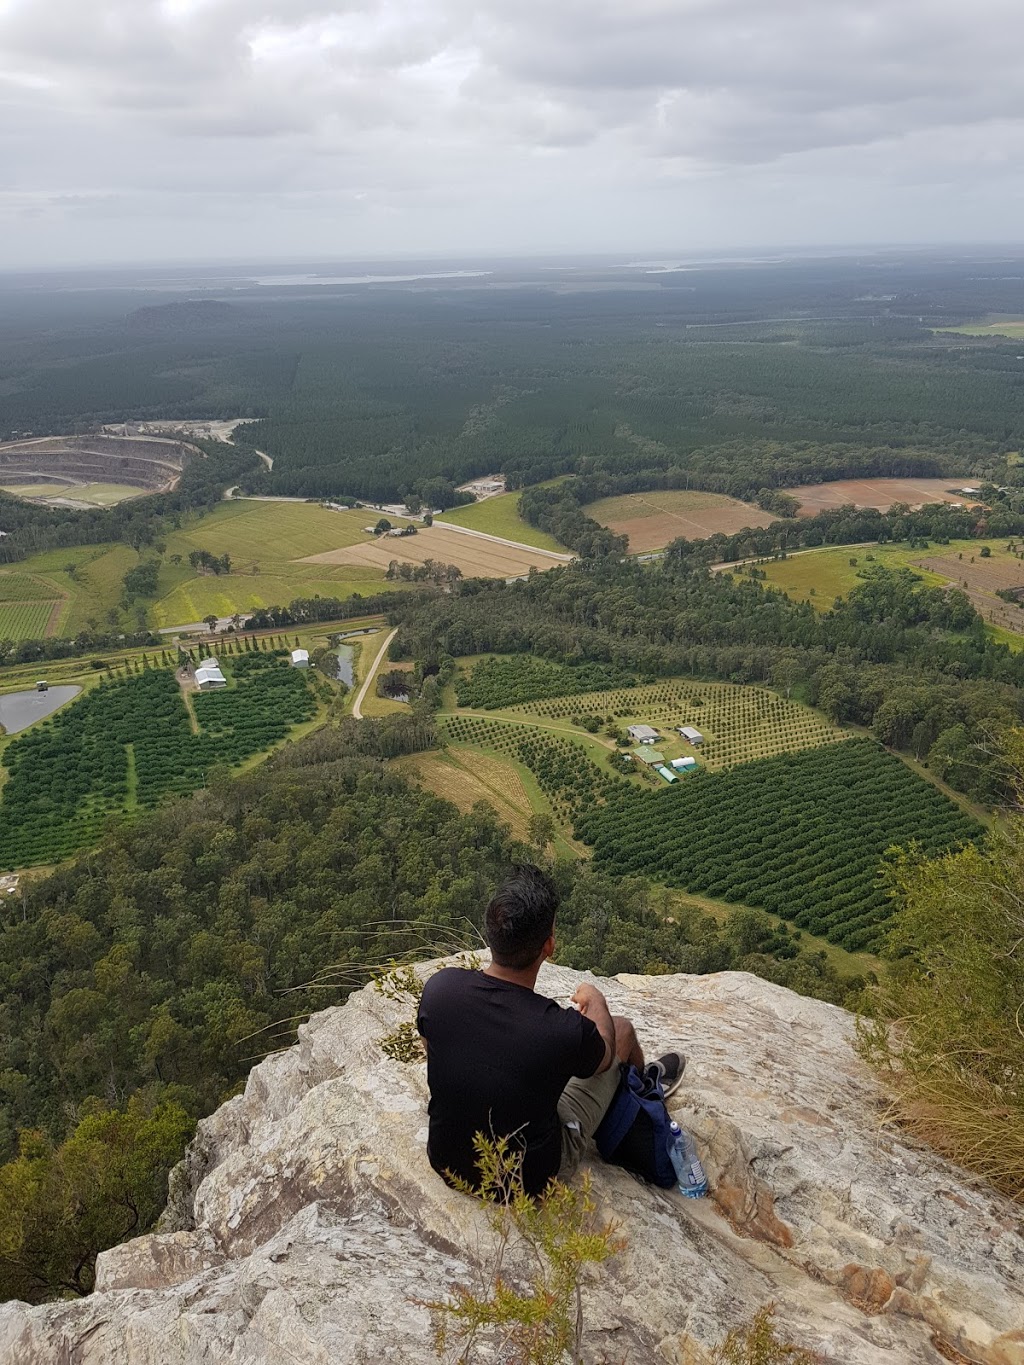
column 357, row 705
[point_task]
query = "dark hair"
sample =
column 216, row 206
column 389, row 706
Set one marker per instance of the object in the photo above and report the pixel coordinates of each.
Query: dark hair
column 521, row 916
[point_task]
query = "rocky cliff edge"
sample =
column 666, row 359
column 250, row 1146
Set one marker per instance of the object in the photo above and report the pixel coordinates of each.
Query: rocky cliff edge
column 305, row 1226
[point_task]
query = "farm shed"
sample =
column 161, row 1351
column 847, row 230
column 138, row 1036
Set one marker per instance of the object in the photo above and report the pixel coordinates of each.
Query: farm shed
column 209, row 676
column 643, row 734
column 684, row 765
column 300, row 658
column 667, row 774
column 694, row 736
column 652, row 757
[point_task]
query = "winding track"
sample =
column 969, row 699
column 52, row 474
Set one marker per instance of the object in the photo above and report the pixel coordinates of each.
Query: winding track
column 357, row 705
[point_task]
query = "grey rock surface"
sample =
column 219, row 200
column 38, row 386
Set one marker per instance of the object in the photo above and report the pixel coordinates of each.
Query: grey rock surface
column 307, row 1226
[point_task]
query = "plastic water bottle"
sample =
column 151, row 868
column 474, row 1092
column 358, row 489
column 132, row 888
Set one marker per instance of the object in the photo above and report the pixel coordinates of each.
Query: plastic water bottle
column 686, row 1163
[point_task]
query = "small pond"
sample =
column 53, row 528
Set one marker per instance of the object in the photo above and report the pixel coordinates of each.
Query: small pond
column 19, row 710
column 345, row 655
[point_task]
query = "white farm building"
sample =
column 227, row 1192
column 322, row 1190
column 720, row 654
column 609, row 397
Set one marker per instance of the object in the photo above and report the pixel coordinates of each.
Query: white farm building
column 300, row 658
column 684, row 765
column 694, row 736
column 209, row 677
column 643, row 734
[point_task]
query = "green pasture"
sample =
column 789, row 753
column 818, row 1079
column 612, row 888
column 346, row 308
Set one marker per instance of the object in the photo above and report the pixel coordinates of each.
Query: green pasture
column 1009, row 327
column 820, row 576
column 499, row 516
column 225, row 594
column 252, row 531
column 265, row 540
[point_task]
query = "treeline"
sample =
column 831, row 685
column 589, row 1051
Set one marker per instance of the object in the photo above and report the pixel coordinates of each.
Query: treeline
column 140, row 522
column 139, row 983
column 913, row 661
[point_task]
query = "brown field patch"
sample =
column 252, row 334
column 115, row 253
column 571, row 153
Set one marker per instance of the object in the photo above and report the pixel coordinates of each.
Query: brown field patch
column 474, row 555
column 880, row 493
column 466, row 779
column 653, row 520
column 981, row 580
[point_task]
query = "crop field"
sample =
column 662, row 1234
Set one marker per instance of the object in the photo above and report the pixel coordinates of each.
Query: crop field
column 739, row 723
column 128, row 743
column 26, row 620
column 802, row 835
column 474, row 555
column 499, row 516
column 250, row 530
column 502, row 681
column 653, row 520
column 880, row 493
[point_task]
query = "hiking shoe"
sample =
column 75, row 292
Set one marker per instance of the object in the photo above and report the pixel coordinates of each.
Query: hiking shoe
column 667, row 1071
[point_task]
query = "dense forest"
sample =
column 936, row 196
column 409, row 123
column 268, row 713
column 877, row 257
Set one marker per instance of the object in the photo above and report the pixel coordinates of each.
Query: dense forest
column 738, row 379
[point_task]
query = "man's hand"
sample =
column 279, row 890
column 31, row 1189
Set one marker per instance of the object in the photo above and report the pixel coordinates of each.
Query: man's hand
column 591, row 1002
column 586, row 996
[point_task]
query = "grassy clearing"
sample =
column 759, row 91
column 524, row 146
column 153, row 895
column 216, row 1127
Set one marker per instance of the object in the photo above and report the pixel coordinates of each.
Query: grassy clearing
column 35, row 490
column 464, row 779
column 499, row 516
column 820, row 576
column 226, row 594
column 1007, row 327
column 508, row 786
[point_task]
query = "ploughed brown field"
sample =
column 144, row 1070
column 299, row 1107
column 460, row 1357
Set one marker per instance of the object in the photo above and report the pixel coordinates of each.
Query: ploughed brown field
column 475, row 556
column 653, row 520
column 980, row 581
column 880, row 493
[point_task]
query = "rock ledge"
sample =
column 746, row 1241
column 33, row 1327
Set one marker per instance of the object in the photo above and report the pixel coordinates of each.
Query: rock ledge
column 306, row 1225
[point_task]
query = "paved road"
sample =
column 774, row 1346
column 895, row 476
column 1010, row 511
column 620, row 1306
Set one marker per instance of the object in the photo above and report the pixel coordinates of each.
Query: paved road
column 357, row 705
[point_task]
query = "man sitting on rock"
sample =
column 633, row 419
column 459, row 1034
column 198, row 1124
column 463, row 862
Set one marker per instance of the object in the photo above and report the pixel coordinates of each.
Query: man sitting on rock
column 505, row 1061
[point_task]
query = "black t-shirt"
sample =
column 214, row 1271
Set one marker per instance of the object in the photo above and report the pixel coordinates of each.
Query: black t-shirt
column 498, row 1058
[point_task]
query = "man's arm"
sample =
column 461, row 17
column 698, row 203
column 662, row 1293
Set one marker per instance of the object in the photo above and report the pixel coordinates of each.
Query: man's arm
column 591, row 1003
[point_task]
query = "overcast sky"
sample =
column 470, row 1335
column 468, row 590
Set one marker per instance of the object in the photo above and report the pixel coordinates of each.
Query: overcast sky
column 147, row 129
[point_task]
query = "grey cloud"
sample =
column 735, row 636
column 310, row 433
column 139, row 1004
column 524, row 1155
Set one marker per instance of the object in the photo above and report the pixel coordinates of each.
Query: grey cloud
column 465, row 115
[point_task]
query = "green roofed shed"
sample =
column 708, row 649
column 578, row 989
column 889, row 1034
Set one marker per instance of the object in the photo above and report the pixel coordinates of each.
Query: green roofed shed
column 649, row 756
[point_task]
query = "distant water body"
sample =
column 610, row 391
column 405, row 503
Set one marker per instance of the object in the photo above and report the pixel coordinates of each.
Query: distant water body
column 19, row 710
column 282, row 281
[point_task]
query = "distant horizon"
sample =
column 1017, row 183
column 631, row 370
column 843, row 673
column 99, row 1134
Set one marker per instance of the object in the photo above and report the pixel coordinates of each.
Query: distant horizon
column 563, row 258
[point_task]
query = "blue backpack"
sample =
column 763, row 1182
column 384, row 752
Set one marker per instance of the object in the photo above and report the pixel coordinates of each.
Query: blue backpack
column 634, row 1133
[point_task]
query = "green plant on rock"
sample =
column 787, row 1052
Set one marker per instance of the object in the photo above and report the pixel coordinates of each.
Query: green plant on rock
column 758, row 1344
column 528, row 1304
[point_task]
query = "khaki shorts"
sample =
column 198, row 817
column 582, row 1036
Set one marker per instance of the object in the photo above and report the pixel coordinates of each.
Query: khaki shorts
column 582, row 1106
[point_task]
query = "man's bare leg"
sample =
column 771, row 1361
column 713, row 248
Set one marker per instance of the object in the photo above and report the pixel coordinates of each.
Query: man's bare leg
column 627, row 1048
